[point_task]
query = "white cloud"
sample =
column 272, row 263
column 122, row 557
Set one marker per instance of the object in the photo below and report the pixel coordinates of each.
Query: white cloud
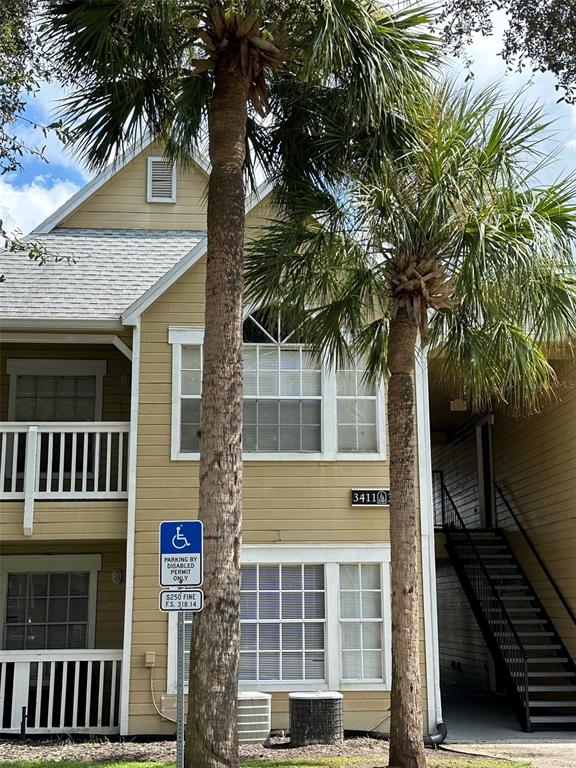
column 43, row 107
column 24, row 206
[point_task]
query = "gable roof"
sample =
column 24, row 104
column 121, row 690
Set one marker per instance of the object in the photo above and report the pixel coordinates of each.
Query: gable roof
column 130, row 316
column 99, row 180
column 108, row 270
column 104, row 277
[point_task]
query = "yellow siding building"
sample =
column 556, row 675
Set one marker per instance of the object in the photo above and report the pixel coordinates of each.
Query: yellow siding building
column 100, row 362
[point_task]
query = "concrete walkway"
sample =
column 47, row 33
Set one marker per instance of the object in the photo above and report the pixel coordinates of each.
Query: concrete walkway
column 485, row 724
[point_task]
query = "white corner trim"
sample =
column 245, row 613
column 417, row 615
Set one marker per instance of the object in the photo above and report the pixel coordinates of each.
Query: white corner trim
column 427, row 543
column 130, row 535
column 141, row 304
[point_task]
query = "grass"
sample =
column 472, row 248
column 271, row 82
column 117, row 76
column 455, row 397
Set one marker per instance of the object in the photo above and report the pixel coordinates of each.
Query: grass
column 434, row 761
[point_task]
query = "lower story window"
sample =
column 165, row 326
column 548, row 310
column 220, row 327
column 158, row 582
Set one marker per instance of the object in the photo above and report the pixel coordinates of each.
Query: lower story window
column 361, row 621
column 313, row 625
column 282, row 615
column 46, row 607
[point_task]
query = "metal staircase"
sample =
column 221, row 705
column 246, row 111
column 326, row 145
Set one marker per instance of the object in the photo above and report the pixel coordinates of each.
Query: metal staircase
column 539, row 672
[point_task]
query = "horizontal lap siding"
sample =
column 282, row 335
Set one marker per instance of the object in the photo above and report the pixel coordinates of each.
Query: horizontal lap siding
column 535, row 463
column 65, row 520
column 121, row 202
column 110, row 596
column 288, row 502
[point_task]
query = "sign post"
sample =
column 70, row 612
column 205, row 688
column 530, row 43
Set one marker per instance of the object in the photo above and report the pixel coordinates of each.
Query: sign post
column 181, row 566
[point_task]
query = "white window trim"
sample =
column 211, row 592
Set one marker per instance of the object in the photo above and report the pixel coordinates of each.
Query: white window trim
column 42, row 367
column 149, row 197
column 53, row 564
column 179, row 336
column 331, row 557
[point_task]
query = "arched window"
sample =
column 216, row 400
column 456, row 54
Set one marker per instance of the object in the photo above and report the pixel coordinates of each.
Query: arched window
column 291, row 404
column 282, row 389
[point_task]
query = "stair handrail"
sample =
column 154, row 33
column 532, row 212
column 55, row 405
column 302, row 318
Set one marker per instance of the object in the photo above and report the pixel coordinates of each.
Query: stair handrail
column 533, row 549
column 495, row 594
column 522, row 666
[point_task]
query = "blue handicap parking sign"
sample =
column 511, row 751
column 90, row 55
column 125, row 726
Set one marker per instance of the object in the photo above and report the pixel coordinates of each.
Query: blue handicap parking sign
column 180, row 553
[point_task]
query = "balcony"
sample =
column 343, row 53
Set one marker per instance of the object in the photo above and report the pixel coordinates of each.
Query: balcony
column 60, row 691
column 62, row 461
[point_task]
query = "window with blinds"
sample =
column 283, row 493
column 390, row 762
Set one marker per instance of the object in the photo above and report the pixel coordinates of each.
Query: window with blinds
column 361, row 621
column 294, row 405
column 282, row 615
column 161, row 183
column 325, row 622
column 356, row 410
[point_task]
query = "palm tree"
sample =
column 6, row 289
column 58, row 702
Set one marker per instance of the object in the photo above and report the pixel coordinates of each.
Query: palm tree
column 186, row 72
column 452, row 231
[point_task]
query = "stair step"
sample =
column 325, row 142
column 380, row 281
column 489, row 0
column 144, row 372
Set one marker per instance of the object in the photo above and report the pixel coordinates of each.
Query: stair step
column 537, row 704
column 535, row 634
column 552, row 689
column 556, row 719
column 559, row 673
column 512, row 587
column 529, row 621
column 547, row 660
column 534, row 647
column 529, row 609
column 507, row 576
column 516, row 598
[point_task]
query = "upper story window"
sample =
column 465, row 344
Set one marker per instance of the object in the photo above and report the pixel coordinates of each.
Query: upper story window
column 282, row 390
column 293, row 405
column 161, row 181
column 55, row 390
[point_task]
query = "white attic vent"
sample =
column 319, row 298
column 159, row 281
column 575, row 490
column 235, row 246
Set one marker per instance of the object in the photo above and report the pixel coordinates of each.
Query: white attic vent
column 161, row 185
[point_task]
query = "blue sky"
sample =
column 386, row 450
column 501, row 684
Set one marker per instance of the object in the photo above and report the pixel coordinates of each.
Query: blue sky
column 29, row 197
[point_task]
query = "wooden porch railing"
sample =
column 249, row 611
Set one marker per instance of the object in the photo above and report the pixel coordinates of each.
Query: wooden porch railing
column 62, row 460
column 60, row 691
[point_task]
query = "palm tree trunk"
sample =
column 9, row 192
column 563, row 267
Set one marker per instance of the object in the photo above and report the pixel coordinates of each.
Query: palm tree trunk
column 211, row 740
column 406, row 730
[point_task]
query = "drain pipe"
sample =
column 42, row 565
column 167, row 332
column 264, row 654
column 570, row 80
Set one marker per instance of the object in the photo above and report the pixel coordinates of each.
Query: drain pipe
column 434, row 740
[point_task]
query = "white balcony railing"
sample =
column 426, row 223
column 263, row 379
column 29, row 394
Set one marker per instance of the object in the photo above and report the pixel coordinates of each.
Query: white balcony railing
column 60, row 691
column 54, row 460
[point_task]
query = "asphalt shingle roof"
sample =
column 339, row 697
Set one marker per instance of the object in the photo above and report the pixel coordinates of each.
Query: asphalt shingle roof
column 111, row 268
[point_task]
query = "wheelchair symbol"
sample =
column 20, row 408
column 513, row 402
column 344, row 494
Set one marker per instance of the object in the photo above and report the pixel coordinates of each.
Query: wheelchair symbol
column 179, row 541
